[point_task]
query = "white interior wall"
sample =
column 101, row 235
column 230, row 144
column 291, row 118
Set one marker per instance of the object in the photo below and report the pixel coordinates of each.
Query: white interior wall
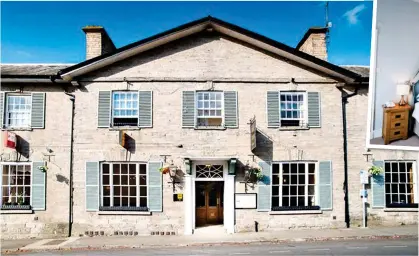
column 397, row 51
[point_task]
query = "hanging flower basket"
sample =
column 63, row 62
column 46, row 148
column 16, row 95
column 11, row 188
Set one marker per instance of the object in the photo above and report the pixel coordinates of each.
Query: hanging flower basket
column 43, row 168
column 254, row 174
column 375, row 170
column 164, row 170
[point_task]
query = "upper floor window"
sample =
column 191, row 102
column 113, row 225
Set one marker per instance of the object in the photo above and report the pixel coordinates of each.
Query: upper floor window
column 399, row 182
column 124, row 185
column 293, row 184
column 210, row 109
column 16, row 184
column 18, row 111
column 293, row 109
column 125, row 108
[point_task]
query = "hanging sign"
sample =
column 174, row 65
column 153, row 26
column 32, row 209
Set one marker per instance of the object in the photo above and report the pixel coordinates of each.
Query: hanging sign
column 123, row 139
column 252, row 133
column 10, row 140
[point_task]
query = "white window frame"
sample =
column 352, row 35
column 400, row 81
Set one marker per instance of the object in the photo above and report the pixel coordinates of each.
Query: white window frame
column 209, row 117
column 1, row 178
column 112, row 106
column 6, row 116
column 304, row 120
column 137, row 183
column 415, row 184
column 316, row 178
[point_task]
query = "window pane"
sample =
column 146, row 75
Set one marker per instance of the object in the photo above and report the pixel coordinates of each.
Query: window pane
column 143, row 201
column 143, row 169
column 106, row 201
column 133, row 191
column 285, row 190
column 275, row 190
column 116, row 168
column 116, row 179
column 117, row 190
column 116, row 201
column 275, row 201
column 124, row 179
column 132, row 201
column 132, row 179
column 105, row 168
column 132, row 169
column 275, row 168
column 105, row 179
column 124, row 191
column 143, row 180
column 106, row 190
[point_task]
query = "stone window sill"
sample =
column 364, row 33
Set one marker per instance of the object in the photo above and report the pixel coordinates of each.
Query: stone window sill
column 219, row 128
column 292, row 128
column 16, row 211
column 401, row 209
column 124, row 128
column 123, row 213
column 295, row 212
column 17, row 129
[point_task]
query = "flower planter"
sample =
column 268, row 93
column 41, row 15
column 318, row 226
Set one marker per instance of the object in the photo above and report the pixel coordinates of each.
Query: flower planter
column 15, row 207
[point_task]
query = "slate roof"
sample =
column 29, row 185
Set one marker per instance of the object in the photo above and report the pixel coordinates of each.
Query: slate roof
column 31, row 70
column 364, row 71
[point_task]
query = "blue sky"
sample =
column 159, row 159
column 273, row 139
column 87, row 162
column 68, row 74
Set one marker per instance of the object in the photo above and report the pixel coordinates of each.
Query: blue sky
column 50, row 32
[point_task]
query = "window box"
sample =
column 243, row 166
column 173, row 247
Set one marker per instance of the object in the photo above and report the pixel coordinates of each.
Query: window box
column 8, row 207
column 219, row 128
column 396, row 205
column 296, row 208
column 123, row 208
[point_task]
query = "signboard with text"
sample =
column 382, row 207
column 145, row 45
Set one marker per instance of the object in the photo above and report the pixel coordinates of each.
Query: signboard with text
column 245, row 201
column 364, row 176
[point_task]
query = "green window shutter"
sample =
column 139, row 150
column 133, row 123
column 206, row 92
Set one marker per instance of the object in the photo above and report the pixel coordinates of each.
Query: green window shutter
column 264, row 188
column 272, row 107
column 38, row 196
column 38, row 110
column 230, row 109
column 188, row 109
column 314, row 114
column 377, row 187
column 145, row 109
column 104, row 109
column 325, row 185
column 2, row 103
column 155, row 189
column 92, row 186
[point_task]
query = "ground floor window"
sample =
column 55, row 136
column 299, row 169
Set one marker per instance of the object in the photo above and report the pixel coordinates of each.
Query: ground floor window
column 294, row 184
column 124, row 184
column 399, row 180
column 16, row 184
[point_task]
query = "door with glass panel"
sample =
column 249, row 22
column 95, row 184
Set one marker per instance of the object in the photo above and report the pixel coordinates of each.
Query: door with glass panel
column 209, row 203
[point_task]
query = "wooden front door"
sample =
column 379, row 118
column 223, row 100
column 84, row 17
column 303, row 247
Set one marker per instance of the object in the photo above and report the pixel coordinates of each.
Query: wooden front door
column 209, row 203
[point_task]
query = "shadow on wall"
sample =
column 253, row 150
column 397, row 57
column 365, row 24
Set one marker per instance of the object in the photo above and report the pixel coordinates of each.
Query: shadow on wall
column 264, row 146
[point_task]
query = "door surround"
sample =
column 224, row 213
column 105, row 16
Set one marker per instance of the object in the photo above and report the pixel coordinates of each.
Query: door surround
column 228, row 197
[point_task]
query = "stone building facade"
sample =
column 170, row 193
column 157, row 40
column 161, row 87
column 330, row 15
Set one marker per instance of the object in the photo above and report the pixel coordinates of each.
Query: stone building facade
column 189, row 96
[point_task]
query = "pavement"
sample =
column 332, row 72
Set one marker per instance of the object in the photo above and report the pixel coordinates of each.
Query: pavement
column 209, row 239
column 349, row 247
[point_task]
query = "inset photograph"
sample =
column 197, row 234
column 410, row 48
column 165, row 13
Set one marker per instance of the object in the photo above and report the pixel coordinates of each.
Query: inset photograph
column 394, row 103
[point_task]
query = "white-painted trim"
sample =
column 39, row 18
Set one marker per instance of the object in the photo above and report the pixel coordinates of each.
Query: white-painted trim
column 123, row 213
column 16, row 211
column 6, row 110
column 401, row 210
column 372, row 80
column 189, row 195
column 210, row 158
column 295, row 212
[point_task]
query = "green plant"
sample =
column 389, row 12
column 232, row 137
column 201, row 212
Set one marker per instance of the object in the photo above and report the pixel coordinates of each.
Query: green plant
column 43, row 168
column 375, row 170
column 256, row 172
column 20, row 199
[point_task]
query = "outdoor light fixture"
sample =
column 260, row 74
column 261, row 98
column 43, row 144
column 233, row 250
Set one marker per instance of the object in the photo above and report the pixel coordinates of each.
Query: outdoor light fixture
column 403, row 90
column 172, row 174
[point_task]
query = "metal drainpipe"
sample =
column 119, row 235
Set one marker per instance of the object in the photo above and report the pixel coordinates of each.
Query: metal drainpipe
column 345, row 98
column 70, row 205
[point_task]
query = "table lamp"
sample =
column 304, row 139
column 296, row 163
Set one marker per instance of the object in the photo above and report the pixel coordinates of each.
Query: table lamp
column 402, row 90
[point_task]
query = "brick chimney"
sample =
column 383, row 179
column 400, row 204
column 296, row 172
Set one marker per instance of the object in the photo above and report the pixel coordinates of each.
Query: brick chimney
column 314, row 42
column 98, row 41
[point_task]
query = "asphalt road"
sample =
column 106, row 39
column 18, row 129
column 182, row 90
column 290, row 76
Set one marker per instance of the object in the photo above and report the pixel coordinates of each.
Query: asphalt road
column 353, row 247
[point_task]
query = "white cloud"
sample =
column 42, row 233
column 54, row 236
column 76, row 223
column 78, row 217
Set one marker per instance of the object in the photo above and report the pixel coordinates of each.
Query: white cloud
column 352, row 15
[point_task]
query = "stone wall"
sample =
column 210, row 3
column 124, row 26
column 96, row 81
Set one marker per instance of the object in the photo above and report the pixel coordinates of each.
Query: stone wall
column 208, row 58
